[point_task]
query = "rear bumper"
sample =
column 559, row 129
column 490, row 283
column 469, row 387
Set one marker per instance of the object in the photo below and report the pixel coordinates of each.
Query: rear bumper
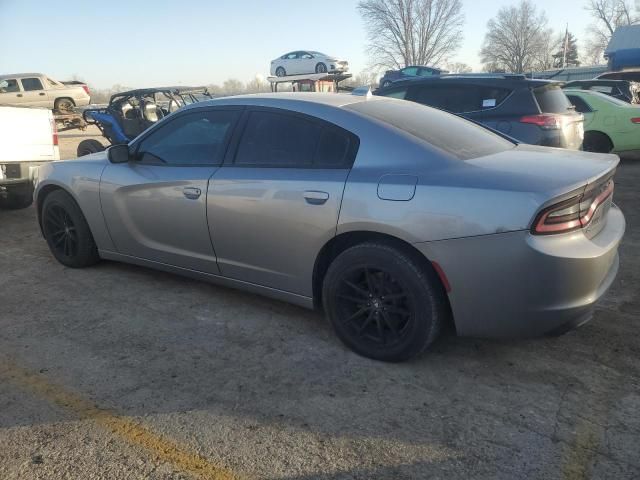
column 18, row 173
column 520, row 285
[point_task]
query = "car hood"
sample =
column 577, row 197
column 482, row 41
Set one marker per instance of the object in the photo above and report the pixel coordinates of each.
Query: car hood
column 93, row 157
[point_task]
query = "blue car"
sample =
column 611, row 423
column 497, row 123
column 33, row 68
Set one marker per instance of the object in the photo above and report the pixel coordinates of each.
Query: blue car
column 407, row 72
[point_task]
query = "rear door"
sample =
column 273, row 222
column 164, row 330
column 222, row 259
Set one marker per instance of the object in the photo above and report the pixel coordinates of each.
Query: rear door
column 11, row 94
column 155, row 205
column 33, row 92
column 275, row 202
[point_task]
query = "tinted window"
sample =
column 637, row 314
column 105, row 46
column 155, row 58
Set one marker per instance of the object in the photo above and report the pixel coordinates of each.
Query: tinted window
column 335, row 148
column 278, row 139
column 552, row 99
column 579, row 103
column 12, row 86
column 196, row 138
column 274, row 139
column 458, row 98
column 29, row 84
column 456, row 136
column 410, row 71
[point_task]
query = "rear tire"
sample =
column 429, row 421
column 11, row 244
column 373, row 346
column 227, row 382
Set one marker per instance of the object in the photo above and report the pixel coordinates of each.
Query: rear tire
column 67, row 232
column 89, row 146
column 381, row 304
column 597, row 142
column 64, row 105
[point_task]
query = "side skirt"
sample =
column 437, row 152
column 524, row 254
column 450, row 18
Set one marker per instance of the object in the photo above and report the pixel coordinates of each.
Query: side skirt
column 301, row 300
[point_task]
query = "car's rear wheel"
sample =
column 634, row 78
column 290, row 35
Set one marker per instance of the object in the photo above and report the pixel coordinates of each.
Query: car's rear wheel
column 67, row 232
column 281, row 72
column 89, row 146
column 63, row 105
column 597, row 142
column 321, row 68
column 381, row 304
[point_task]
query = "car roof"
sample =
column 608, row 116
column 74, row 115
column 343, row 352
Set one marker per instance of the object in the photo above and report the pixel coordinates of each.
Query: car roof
column 14, row 75
column 174, row 90
column 274, row 99
column 489, row 79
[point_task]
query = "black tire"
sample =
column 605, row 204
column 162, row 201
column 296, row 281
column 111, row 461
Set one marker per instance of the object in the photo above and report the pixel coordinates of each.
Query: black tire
column 597, row 142
column 64, row 105
column 18, row 200
column 89, row 146
column 321, row 68
column 281, row 72
column 395, row 313
column 67, row 232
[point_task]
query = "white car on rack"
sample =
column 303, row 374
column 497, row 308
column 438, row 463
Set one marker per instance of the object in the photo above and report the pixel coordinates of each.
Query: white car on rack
column 307, row 61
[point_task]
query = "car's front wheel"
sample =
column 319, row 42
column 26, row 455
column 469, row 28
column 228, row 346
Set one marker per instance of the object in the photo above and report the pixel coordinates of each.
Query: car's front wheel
column 321, row 68
column 67, row 232
column 381, row 304
column 281, row 72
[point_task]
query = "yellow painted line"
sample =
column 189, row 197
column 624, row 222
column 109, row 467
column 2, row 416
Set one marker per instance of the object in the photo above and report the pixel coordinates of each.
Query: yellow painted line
column 579, row 455
column 129, row 430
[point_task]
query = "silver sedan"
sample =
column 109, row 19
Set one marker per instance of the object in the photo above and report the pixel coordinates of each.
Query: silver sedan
column 393, row 217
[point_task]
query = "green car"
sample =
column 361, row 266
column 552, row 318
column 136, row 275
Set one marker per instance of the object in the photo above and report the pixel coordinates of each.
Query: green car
column 610, row 125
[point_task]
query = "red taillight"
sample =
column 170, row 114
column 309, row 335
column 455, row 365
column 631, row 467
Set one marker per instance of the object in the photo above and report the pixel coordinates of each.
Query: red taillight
column 86, row 89
column 572, row 214
column 544, row 120
column 54, row 130
column 635, row 120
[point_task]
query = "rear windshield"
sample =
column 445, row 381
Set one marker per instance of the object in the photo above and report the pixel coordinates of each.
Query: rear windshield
column 552, row 99
column 458, row 137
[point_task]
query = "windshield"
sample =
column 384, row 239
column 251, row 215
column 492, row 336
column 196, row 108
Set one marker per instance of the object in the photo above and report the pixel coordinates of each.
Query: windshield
column 460, row 138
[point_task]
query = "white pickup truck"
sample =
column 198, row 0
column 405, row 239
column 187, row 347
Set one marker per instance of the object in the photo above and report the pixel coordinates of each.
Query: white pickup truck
column 28, row 138
column 38, row 90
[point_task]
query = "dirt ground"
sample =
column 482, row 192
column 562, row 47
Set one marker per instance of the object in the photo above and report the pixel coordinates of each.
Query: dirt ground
column 120, row 372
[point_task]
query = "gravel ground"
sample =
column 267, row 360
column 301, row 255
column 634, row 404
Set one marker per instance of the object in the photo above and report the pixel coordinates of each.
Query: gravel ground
column 120, row 372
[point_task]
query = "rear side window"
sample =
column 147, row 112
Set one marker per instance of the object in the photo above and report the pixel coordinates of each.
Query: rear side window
column 12, row 86
column 280, row 139
column 552, row 99
column 458, row 98
column 459, row 138
column 579, row 103
column 30, row 84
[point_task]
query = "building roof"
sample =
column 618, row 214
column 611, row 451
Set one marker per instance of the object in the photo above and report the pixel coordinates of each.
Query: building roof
column 624, row 38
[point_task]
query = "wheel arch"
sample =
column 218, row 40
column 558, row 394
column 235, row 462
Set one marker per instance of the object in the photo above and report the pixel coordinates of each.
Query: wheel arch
column 338, row 244
column 603, row 134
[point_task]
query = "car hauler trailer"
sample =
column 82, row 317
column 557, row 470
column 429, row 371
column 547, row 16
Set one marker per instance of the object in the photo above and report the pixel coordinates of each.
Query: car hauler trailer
column 312, row 82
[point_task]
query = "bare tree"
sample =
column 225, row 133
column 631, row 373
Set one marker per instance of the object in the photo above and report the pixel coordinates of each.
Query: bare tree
column 516, row 39
column 608, row 15
column 457, row 67
column 411, row 32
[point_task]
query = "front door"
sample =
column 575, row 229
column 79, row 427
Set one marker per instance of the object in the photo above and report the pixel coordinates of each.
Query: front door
column 33, row 92
column 275, row 202
column 10, row 93
column 155, row 205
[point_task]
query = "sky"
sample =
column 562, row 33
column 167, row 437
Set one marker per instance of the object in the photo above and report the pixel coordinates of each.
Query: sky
column 202, row 42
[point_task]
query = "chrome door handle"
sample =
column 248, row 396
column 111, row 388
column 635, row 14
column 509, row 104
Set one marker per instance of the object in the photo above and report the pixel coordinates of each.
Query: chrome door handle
column 315, row 197
column 192, row 193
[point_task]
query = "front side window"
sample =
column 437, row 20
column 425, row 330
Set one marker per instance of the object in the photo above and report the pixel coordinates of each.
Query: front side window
column 12, row 86
column 196, row 138
column 410, row 71
column 31, row 84
column 306, row 55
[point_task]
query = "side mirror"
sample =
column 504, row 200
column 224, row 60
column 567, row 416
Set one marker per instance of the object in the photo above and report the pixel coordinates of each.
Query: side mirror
column 119, row 153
